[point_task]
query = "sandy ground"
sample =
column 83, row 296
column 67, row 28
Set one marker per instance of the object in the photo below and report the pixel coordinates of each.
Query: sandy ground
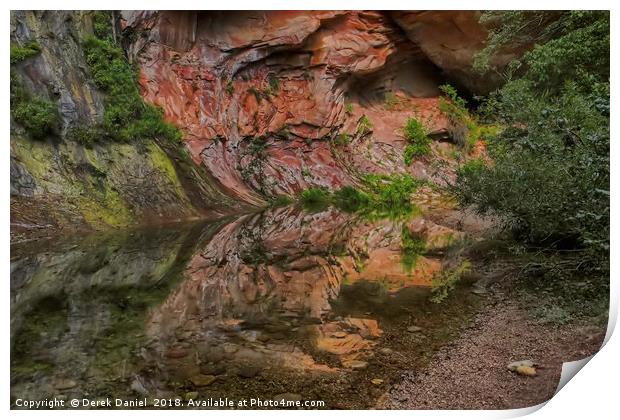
column 471, row 372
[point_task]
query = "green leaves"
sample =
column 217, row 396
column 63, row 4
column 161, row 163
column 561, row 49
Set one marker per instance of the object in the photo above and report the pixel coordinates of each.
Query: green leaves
column 127, row 117
column 419, row 142
column 39, row 117
column 20, row 53
column 551, row 161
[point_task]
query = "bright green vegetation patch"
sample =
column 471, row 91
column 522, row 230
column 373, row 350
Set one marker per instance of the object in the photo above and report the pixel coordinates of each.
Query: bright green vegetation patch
column 391, row 190
column 383, row 196
column 20, row 53
column 281, row 201
column 342, row 139
column 315, row 198
column 127, row 117
column 350, row 199
column 412, row 247
column 348, row 109
column 39, row 117
column 364, row 126
column 161, row 161
column 107, row 209
column 419, row 144
column 447, row 280
column 466, row 129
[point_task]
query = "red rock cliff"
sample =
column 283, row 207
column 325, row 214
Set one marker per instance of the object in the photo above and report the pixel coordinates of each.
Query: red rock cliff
column 270, row 102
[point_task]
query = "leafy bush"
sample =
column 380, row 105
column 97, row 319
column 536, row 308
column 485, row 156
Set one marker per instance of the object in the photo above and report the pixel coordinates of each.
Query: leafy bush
column 102, row 24
column 39, row 117
column 127, row 117
column 549, row 180
column 446, row 281
column 412, row 247
column 20, row 53
column 342, row 139
column 364, row 126
column 86, row 136
column 314, row 198
column 348, row 108
column 392, row 191
column 385, row 196
column 281, row 201
column 419, row 142
column 350, row 199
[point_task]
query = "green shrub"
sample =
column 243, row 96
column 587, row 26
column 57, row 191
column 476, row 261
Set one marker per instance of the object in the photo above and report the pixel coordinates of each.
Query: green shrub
column 126, row 117
column 20, row 53
column 412, row 247
column 342, row 139
column 419, row 142
column 86, row 136
column 385, row 196
column 102, row 24
column 350, row 199
column 281, row 201
column 465, row 128
column 364, row 126
column 414, row 131
column 550, row 177
column 415, row 150
column 39, row 117
column 447, row 280
column 348, row 108
column 392, row 191
column 315, row 198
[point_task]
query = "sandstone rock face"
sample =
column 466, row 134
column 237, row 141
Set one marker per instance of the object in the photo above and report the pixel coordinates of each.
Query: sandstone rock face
column 262, row 96
column 451, row 40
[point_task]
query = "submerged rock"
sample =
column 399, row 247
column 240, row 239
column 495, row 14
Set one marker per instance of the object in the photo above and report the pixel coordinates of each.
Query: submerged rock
column 65, row 384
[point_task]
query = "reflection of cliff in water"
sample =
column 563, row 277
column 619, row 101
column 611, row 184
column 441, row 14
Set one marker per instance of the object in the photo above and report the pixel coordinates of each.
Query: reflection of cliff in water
column 155, row 312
